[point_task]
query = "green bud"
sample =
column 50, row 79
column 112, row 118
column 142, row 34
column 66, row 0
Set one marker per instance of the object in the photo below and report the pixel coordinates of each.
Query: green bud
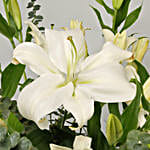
column 15, row 13
column 117, row 3
column 114, row 129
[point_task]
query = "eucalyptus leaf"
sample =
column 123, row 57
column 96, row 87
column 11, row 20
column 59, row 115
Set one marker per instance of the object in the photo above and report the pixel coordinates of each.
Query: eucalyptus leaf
column 10, row 79
column 131, row 18
column 129, row 117
column 14, row 124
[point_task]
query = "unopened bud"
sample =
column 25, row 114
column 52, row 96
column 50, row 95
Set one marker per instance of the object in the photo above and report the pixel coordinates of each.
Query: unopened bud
column 15, row 13
column 114, row 129
column 117, row 3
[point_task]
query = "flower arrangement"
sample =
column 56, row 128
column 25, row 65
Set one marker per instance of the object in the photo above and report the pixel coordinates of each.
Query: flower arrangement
column 61, row 108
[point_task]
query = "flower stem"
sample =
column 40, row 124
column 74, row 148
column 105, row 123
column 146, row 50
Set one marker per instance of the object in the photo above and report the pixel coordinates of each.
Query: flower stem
column 63, row 120
column 12, row 43
column 6, row 11
column 114, row 22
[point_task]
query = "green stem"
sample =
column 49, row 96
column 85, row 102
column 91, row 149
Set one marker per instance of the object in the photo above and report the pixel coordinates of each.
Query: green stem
column 12, row 43
column 114, row 22
column 6, row 11
column 21, row 37
column 24, row 75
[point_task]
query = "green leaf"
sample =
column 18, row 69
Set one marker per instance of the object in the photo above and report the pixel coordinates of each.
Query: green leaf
column 28, row 81
column 122, row 13
column 10, row 79
column 131, row 18
column 146, row 126
column 145, row 104
column 142, row 72
column 14, row 124
column 100, row 19
column 99, row 141
column 40, row 139
column 114, row 129
column 137, row 140
column 114, row 109
column 5, row 29
column 129, row 117
column 108, row 9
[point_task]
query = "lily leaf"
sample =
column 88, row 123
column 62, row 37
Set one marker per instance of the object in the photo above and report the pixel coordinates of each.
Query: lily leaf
column 108, row 9
column 142, row 72
column 122, row 13
column 100, row 19
column 5, row 29
column 99, row 141
column 129, row 117
column 145, row 104
column 146, row 126
column 10, row 79
column 131, row 18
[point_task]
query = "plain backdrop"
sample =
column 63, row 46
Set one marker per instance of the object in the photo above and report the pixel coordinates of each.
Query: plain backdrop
column 60, row 12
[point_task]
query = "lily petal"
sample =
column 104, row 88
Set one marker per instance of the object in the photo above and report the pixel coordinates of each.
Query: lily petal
column 82, row 143
column 38, row 36
column 107, row 83
column 43, row 96
column 109, row 54
column 81, row 106
column 108, row 35
column 34, row 57
column 60, row 49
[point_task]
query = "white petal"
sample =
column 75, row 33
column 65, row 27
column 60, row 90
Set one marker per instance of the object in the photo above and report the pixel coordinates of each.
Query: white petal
column 108, row 35
column 141, row 117
column 43, row 96
column 146, row 88
column 131, row 73
column 60, row 48
column 110, row 53
column 38, row 36
column 82, row 143
column 56, row 147
column 34, row 57
column 81, row 106
column 107, row 83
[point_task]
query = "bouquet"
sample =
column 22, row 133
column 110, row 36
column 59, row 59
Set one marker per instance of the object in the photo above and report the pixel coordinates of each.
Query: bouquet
column 63, row 107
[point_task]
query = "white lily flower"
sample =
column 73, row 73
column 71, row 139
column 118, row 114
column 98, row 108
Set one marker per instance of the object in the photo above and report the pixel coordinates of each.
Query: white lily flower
column 70, row 79
column 120, row 39
column 80, row 143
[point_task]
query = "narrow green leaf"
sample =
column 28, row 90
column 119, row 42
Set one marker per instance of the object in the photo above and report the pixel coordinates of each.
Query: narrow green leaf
column 5, row 29
column 145, row 104
column 114, row 109
column 99, row 141
column 142, row 72
column 122, row 13
column 129, row 117
column 146, row 126
column 100, row 19
column 10, row 79
column 108, row 9
column 28, row 81
column 14, row 124
column 131, row 18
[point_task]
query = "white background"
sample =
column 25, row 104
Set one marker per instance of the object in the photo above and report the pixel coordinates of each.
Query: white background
column 60, row 12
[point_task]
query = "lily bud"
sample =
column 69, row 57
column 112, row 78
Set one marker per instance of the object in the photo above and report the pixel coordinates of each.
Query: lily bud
column 15, row 13
column 114, row 129
column 140, row 48
column 117, row 3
